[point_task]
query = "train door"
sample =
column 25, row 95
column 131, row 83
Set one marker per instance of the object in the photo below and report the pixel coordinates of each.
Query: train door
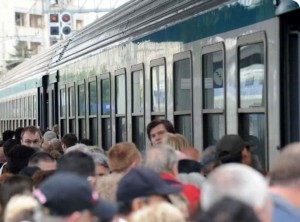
column 290, row 77
column 43, row 103
column 52, row 92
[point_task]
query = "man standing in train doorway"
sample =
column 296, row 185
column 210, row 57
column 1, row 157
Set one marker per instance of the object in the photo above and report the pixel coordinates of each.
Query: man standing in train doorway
column 157, row 130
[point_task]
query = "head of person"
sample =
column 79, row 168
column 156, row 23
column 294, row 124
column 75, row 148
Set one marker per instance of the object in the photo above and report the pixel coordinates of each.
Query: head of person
column 157, row 130
column 29, row 171
column 8, row 145
column 141, row 187
column 195, row 179
column 77, row 162
column 7, row 134
column 189, row 166
column 18, row 157
column 48, row 136
column 22, row 207
column 209, row 160
column 40, row 176
column 68, row 140
column 42, row 160
column 123, row 156
column 101, row 164
column 162, row 159
column 239, row 182
column 191, row 153
column 18, row 133
column 285, row 172
column 70, row 196
column 176, row 141
column 12, row 185
column 233, row 149
column 31, row 136
column 2, row 155
column 56, row 145
column 227, row 210
column 86, row 141
column 161, row 212
column 55, row 128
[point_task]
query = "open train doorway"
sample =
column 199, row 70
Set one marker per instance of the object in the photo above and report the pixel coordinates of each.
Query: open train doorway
column 43, row 103
column 290, row 77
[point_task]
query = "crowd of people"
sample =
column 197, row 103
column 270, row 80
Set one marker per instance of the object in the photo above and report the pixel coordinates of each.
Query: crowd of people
column 47, row 178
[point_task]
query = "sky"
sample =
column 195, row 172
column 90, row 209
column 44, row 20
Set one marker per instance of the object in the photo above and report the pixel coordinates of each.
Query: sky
column 100, row 3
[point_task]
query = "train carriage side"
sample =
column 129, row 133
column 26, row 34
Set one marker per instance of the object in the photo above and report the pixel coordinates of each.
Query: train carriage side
column 212, row 72
column 211, row 67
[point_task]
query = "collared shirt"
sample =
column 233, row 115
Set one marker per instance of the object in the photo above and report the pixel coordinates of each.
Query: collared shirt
column 284, row 211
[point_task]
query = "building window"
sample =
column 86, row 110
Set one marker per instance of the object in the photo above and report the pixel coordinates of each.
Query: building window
column 20, row 18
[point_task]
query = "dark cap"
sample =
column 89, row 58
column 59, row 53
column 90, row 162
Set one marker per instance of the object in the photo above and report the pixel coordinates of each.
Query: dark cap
column 65, row 193
column 143, row 182
column 229, row 146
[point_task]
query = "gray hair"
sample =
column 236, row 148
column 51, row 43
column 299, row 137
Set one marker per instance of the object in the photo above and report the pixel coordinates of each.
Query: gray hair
column 161, row 158
column 93, row 151
column 100, row 159
column 79, row 147
column 236, row 181
column 191, row 178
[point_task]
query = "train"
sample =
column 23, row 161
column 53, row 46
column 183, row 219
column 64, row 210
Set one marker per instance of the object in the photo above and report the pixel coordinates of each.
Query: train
column 211, row 67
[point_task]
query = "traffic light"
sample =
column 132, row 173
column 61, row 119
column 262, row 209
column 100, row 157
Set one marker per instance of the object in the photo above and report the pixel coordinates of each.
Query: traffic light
column 54, row 24
column 66, row 23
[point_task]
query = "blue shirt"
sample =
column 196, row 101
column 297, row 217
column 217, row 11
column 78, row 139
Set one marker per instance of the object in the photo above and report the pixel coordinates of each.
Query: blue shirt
column 284, row 211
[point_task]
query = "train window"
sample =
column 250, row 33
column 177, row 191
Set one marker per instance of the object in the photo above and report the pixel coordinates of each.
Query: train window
column 138, row 92
column 121, row 96
column 93, row 109
column 252, row 93
column 30, row 107
column 138, row 125
column 71, row 108
column 81, row 100
column 182, row 75
column 71, row 101
column 35, row 107
column 251, row 75
column 93, row 98
column 105, row 111
column 62, row 102
column 158, row 88
column 213, row 86
column 62, row 110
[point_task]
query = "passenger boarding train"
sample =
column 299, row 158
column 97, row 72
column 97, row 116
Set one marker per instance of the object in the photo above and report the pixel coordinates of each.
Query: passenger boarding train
column 212, row 67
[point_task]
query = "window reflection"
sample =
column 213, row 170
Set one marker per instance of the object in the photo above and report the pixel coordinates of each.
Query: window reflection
column 71, row 101
column 62, row 102
column 214, row 128
column 93, row 98
column 138, row 91
column 120, row 94
column 182, row 80
column 213, row 82
column 158, row 87
column 105, row 97
column 81, row 100
column 252, row 129
column 251, row 75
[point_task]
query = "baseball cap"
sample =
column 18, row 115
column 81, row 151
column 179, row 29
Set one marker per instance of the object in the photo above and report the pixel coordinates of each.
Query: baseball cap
column 65, row 193
column 143, row 182
column 229, row 146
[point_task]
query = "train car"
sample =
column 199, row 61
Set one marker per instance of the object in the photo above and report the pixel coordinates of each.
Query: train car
column 212, row 67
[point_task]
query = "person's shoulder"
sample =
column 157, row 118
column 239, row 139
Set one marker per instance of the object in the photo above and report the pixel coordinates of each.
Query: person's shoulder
column 284, row 211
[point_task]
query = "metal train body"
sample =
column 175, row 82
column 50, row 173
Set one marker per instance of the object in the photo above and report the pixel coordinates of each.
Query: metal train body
column 212, row 67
